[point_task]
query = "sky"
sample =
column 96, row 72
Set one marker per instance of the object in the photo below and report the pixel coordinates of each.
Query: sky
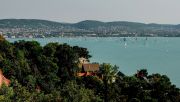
column 72, row 11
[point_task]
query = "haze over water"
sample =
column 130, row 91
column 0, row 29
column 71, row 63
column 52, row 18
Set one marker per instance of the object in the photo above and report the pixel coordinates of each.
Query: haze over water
column 156, row 54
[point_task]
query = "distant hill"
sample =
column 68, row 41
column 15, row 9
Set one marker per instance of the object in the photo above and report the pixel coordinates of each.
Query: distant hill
column 98, row 27
column 94, row 24
column 32, row 23
column 87, row 24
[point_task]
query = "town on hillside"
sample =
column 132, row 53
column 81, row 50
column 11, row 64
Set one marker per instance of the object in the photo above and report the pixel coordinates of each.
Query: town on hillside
column 28, row 28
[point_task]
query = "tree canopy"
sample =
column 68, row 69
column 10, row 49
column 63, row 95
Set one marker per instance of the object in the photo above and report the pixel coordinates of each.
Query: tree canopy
column 48, row 74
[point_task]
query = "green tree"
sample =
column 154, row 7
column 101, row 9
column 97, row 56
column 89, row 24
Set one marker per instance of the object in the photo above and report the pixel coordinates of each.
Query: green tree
column 109, row 73
column 6, row 93
column 67, row 62
column 162, row 88
column 82, row 52
column 49, row 50
column 93, row 83
column 72, row 92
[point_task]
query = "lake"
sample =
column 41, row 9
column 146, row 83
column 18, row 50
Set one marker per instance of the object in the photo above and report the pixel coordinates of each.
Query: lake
column 156, row 54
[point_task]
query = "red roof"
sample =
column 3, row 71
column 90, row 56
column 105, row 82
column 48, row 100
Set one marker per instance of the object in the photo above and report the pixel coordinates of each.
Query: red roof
column 4, row 79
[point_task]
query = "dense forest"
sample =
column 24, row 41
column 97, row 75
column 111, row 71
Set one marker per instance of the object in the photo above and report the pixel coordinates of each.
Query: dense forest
column 48, row 74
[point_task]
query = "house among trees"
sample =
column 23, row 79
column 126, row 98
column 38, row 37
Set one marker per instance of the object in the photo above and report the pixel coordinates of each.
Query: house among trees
column 3, row 80
column 86, row 68
column 89, row 70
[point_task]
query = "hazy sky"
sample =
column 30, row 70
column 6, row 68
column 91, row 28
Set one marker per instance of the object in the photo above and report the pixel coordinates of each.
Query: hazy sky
column 147, row 11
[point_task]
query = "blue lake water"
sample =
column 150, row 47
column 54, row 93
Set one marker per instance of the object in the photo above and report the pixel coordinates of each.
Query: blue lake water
column 156, row 54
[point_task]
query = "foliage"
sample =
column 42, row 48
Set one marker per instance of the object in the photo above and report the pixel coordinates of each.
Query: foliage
column 109, row 74
column 6, row 93
column 48, row 74
column 72, row 92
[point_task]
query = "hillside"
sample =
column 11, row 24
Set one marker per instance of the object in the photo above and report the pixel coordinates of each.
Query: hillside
column 120, row 28
column 22, row 23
